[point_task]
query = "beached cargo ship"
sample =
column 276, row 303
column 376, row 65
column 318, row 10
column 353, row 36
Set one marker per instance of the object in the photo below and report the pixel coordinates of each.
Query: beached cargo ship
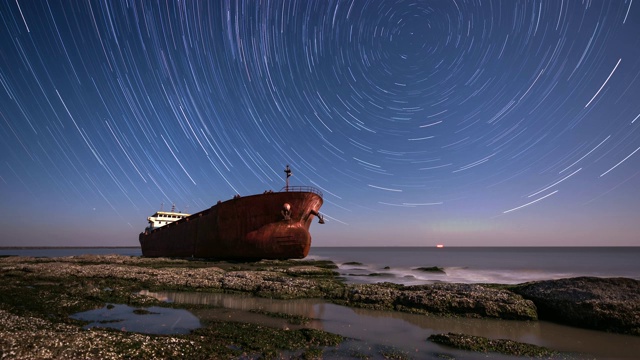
column 272, row 225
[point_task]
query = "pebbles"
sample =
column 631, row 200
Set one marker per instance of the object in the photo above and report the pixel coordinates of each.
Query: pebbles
column 30, row 337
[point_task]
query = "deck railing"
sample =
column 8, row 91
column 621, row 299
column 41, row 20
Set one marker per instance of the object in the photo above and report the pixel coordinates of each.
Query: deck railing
column 310, row 189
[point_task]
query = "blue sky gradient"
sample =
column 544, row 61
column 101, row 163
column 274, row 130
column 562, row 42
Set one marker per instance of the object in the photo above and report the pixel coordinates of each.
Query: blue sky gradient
column 499, row 123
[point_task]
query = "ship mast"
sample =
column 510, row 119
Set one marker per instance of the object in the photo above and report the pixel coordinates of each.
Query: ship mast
column 287, row 171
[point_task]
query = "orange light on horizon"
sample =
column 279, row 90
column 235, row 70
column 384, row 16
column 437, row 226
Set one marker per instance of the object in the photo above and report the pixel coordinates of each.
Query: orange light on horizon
column 439, row 246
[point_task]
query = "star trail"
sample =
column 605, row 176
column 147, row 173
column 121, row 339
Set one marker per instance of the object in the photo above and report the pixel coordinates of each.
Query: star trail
column 423, row 122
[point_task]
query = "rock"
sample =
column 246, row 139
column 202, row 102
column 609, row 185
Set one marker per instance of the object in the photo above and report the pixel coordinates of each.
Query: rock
column 270, row 284
column 310, row 271
column 289, row 281
column 483, row 344
column 433, row 269
column 468, row 300
column 380, row 274
column 471, row 300
column 373, row 296
column 609, row 304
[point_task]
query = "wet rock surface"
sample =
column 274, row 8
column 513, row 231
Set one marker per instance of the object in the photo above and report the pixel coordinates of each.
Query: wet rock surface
column 609, row 304
column 289, row 280
column 467, row 300
column 38, row 295
column 433, row 269
column 470, row 300
column 486, row 345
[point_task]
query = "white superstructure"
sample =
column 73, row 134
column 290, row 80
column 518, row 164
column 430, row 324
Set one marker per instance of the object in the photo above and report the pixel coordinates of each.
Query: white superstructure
column 162, row 218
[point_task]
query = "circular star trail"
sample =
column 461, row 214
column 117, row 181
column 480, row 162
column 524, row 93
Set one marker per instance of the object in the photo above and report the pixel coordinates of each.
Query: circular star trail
column 464, row 122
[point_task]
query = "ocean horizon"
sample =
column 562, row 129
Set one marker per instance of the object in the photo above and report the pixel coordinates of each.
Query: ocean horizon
column 456, row 264
column 350, row 246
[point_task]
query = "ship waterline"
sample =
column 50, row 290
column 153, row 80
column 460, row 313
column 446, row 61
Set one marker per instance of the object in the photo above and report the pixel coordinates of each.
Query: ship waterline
column 272, row 225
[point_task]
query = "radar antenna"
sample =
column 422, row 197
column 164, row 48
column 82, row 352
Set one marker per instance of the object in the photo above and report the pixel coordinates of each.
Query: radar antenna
column 287, row 171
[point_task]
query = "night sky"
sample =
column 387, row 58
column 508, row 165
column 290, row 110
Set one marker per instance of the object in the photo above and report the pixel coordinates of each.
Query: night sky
column 465, row 123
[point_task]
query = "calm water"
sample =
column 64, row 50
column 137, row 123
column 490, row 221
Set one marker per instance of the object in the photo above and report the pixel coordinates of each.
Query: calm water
column 506, row 265
column 369, row 331
column 153, row 320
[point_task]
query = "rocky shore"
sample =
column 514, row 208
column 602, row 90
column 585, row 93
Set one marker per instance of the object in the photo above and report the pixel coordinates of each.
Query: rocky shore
column 609, row 304
column 37, row 296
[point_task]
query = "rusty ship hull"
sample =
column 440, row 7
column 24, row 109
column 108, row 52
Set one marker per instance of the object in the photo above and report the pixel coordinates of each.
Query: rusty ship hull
column 273, row 225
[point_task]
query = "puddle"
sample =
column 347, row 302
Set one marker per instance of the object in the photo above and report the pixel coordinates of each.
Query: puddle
column 408, row 332
column 152, row 320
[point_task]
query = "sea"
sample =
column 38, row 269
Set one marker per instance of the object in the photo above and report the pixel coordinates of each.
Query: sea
column 371, row 333
column 406, row 265
column 501, row 265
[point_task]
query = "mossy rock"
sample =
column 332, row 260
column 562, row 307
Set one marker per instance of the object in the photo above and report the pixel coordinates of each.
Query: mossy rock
column 486, row 345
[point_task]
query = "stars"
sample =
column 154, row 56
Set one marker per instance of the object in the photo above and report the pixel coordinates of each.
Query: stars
column 388, row 104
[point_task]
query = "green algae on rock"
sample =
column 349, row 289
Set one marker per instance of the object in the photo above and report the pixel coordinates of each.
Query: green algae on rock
column 483, row 344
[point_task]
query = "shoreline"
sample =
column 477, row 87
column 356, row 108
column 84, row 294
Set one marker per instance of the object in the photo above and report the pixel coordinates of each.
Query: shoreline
column 63, row 247
column 26, row 277
column 475, row 265
column 352, row 247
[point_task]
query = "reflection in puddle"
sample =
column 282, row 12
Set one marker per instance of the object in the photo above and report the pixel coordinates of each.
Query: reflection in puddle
column 153, row 320
column 404, row 331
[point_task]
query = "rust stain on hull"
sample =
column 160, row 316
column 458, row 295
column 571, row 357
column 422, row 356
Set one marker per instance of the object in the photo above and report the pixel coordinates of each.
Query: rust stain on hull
column 251, row 227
